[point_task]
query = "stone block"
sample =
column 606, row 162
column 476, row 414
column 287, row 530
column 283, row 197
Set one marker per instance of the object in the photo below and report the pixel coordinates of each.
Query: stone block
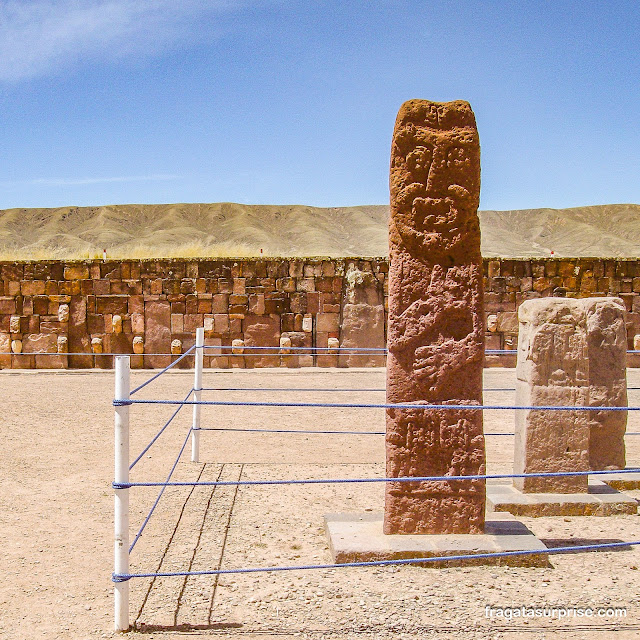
column 137, row 323
column 40, row 343
column 362, row 325
column 328, row 322
column 78, row 333
column 598, row 500
column 157, row 332
column 112, row 304
column 177, row 323
column 359, row 537
column 261, row 331
column 220, row 303
column 76, row 271
column 305, row 284
column 508, row 322
column 32, row 287
column 221, row 323
column 56, row 361
column 256, row 304
column 7, row 305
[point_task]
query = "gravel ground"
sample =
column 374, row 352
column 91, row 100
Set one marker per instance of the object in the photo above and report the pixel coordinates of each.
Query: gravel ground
column 56, row 522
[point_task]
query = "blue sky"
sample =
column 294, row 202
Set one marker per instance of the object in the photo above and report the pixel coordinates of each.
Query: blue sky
column 293, row 101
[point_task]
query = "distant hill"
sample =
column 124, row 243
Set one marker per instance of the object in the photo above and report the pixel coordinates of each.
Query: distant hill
column 237, row 230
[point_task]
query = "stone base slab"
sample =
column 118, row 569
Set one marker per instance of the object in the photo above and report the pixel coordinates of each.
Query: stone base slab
column 622, row 481
column 358, row 537
column 601, row 500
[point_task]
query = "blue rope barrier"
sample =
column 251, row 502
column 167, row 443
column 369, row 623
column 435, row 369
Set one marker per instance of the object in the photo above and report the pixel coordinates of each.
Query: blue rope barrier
column 248, row 430
column 157, row 375
column 278, row 350
column 347, row 390
column 381, row 389
column 367, row 349
column 167, row 423
column 123, row 577
column 499, row 476
column 292, row 389
column 354, row 433
column 362, row 405
column 164, row 486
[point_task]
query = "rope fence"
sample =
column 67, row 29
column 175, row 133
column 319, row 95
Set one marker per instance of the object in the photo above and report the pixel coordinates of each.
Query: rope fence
column 384, row 563
column 121, row 484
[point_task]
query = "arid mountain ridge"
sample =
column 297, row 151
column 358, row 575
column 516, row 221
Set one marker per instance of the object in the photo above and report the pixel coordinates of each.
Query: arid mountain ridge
column 239, row 230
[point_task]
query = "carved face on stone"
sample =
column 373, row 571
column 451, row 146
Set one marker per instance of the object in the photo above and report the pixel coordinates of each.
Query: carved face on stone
column 435, row 177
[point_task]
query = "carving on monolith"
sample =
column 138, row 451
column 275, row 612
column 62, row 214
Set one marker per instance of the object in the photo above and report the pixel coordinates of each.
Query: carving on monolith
column 607, row 352
column 435, row 326
column 570, row 353
column 552, row 370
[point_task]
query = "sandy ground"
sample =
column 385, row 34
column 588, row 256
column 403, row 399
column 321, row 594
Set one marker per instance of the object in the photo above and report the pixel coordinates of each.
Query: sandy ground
column 226, row 229
column 56, row 522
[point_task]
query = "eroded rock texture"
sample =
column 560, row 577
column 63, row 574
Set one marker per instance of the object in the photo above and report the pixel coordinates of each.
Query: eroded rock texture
column 435, row 328
column 570, row 352
column 362, row 324
column 552, row 370
column 607, row 352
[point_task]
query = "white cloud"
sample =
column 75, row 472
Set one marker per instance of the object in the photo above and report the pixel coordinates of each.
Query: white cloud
column 38, row 37
column 67, row 182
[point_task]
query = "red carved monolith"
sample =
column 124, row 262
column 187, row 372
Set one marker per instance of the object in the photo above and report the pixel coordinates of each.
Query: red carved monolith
column 435, row 327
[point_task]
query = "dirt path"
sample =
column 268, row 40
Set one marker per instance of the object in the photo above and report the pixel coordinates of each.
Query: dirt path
column 56, row 522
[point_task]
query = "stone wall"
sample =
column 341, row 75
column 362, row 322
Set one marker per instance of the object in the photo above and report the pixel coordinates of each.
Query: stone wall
column 51, row 309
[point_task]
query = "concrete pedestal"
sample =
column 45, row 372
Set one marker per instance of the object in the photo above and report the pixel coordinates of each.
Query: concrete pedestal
column 623, row 481
column 358, row 537
column 600, row 500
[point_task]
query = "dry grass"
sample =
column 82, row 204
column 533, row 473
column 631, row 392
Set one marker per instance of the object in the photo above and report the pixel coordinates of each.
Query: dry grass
column 226, row 229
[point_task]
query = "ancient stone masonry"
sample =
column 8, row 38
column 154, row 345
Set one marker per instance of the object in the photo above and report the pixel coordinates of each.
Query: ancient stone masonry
column 571, row 353
column 435, row 326
column 362, row 322
column 312, row 301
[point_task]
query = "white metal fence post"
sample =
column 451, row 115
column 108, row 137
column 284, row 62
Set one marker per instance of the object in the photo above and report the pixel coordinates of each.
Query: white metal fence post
column 121, row 504
column 197, row 396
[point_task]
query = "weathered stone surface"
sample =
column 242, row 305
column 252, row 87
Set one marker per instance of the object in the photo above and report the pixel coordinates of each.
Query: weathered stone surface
column 157, row 332
column 97, row 345
column 16, row 346
column 176, row 347
column 607, row 354
column 362, row 323
column 5, row 343
column 63, row 313
column 62, row 344
column 261, row 331
column 116, row 324
column 79, row 339
column 138, row 345
column 552, row 370
column 436, row 324
column 14, row 324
